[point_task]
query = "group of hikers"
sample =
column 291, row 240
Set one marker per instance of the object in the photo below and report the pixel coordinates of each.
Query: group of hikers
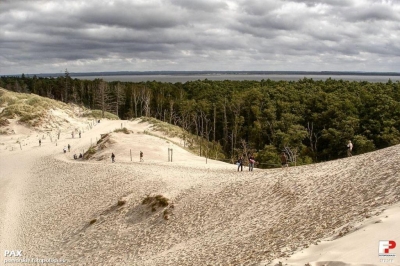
column 240, row 162
column 73, row 134
column 76, row 156
column 69, row 150
column 65, row 148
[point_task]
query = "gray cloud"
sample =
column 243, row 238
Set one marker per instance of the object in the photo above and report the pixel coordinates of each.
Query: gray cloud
column 127, row 15
column 337, row 3
column 43, row 35
column 211, row 6
column 372, row 12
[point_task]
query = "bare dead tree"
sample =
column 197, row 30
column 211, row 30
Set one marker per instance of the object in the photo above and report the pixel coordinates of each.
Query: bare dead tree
column 185, row 122
column 74, row 94
column 204, row 122
column 82, row 88
column 313, row 137
column 171, row 110
column 225, row 127
column 175, row 119
column 196, row 124
column 215, row 119
column 208, row 132
column 147, row 98
column 120, row 97
column 236, row 107
column 142, row 99
column 232, row 137
column 159, row 104
column 102, row 97
column 135, row 99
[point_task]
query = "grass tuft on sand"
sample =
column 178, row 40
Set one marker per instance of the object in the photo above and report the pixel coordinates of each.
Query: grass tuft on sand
column 155, row 201
column 97, row 114
column 30, row 109
column 194, row 144
column 123, row 130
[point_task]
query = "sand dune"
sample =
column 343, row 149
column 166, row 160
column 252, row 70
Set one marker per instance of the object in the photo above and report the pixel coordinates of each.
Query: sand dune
column 55, row 207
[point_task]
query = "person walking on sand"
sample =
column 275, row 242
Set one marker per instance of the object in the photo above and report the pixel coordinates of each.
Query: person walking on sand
column 251, row 162
column 80, row 134
column 69, row 148
column 112, row 158
column 284, row 160
column 40, row 142
column 349, row 149
column 240, row 163
column 141, row 156
column 65, row 149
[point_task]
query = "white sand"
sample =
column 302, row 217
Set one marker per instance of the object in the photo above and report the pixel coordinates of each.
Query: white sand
column 358, row 248
column 220, row 216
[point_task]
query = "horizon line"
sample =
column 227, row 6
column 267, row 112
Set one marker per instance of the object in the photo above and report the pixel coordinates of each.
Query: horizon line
column 161, row 72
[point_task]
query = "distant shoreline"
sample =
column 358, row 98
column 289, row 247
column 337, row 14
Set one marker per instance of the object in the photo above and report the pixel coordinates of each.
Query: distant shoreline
column 187, row 76
column 194, row 73
column 237, row 77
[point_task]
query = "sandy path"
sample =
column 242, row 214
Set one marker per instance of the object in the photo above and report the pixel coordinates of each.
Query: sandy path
column 16, row 179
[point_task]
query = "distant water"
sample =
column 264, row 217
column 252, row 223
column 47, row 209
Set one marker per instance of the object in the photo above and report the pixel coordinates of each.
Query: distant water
column 286, row 77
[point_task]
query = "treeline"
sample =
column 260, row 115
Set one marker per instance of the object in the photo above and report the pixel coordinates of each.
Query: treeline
column 314, row 118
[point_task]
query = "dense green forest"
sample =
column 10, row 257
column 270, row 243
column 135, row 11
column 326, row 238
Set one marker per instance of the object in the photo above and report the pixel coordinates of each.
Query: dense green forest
column 314, row 118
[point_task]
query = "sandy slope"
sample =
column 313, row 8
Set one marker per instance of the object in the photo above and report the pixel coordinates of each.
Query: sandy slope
column 220, row 216
column 18, row 155
column 358, row 248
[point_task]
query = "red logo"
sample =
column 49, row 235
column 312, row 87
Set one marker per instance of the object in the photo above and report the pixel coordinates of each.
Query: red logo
column 385, row 246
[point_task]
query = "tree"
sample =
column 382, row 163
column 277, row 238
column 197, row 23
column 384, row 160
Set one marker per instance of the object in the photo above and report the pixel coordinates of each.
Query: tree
column 117, row 96
column 135, row 99
column 102, row 96
column 67, row 80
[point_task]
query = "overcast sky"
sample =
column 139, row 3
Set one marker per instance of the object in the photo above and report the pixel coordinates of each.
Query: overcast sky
column 41, row 36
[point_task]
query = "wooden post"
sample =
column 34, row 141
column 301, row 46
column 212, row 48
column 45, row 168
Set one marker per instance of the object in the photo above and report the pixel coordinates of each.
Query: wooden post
column 169, row 155
column 131, row 153
column 207, row 153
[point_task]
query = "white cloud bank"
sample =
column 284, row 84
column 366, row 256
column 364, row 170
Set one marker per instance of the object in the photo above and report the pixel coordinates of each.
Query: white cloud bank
column 38, row 36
